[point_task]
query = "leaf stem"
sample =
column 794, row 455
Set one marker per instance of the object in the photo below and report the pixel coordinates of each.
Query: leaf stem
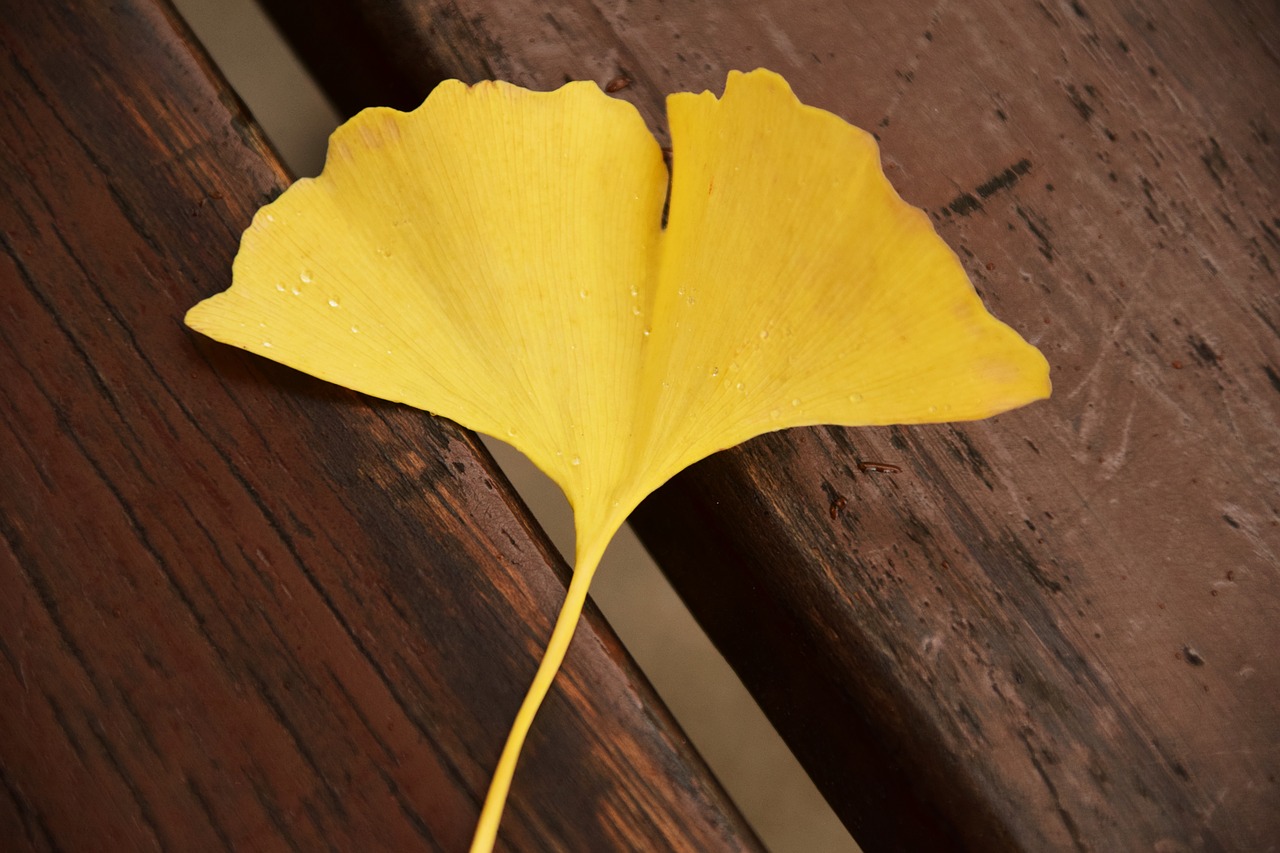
column 570, row 611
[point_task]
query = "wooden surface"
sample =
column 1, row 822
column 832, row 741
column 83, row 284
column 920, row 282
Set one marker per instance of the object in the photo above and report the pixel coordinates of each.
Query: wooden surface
column 240, row 608
column 1057, row 629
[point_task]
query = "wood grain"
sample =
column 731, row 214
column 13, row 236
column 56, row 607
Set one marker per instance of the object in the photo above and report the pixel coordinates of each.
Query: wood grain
column 1057, row 629
column 240, row 608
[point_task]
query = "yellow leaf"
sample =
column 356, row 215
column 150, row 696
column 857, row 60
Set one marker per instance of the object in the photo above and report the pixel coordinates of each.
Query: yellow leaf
column 497, row 256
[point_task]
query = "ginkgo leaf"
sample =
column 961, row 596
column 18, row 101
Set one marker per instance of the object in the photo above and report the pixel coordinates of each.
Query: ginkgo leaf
column 497, row 256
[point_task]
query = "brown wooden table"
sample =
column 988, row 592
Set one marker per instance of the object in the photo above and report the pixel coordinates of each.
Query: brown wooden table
column 246, row 608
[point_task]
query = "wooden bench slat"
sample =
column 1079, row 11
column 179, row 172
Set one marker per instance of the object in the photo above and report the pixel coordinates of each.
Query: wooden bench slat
column 240, row 607
column 1053, row 630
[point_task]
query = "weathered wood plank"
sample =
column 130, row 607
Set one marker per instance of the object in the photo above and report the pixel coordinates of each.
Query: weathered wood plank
column 240, row 607
column 1057, row 629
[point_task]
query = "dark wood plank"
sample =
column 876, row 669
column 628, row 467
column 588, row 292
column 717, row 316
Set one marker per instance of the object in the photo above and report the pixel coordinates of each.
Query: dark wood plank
column 1057, row 629
column 239, row 607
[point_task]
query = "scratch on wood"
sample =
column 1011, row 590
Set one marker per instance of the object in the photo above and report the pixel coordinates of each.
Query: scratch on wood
column 1204, row 353
column 1191, row 656
column 1273, row 376
column 1005, row 180
column 964, row 204
column 1114, row 461
column 1214, row 162
column 1038, row 228
column 1077, row 100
